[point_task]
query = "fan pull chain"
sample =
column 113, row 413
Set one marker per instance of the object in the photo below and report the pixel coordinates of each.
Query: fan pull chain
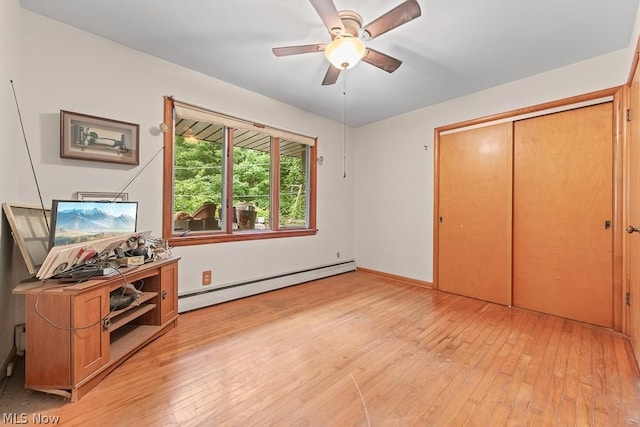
column 344, row 122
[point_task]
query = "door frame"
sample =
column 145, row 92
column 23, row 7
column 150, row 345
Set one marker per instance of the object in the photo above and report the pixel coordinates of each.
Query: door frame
column 617, row 95
column 625, row 132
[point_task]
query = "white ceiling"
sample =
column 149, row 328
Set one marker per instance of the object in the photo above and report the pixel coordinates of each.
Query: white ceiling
column 455, row 48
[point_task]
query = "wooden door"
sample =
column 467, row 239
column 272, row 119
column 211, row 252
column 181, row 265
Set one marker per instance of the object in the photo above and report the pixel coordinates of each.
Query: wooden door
column 563, row 208
column 633, row 217
column 169, row 292
column 90, row 340
column 474, row 203
column 48, row 342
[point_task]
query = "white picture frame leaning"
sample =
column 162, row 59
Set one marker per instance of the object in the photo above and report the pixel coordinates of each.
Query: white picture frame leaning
column 100, row 196
column 30, row 230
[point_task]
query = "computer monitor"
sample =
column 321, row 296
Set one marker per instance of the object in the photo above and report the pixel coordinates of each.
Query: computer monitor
column 74, row 221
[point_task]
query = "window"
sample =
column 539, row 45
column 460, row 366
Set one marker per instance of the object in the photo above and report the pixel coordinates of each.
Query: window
column 293, row 184
column 229, row 179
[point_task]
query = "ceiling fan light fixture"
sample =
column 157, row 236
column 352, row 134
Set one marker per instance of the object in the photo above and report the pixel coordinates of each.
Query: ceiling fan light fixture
column 345, row 52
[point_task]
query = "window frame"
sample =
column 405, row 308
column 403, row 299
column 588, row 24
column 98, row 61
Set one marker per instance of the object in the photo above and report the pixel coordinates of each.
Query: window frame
column 227, row 234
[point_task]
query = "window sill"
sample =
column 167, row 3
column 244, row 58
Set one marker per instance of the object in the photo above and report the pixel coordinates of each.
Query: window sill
column 237, row 236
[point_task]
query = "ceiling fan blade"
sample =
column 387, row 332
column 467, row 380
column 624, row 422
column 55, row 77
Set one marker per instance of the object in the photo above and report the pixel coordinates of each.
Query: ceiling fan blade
column 332, row 76
column 329, row 15
column 295, row 50
column 381, row 60
column 397, row 16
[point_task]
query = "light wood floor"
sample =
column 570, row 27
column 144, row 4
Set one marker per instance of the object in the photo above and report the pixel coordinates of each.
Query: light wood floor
column 358, row 349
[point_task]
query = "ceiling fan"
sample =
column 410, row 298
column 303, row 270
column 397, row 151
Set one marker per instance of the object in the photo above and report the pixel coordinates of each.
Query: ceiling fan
column 345, row 28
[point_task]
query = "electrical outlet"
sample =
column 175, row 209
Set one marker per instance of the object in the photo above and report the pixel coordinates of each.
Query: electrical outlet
column 206, row 277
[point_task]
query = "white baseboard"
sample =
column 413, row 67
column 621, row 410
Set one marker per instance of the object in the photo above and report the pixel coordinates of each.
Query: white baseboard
column 199, row 299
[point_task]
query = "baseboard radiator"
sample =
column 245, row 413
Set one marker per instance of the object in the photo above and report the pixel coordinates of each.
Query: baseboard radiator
column 194, row 300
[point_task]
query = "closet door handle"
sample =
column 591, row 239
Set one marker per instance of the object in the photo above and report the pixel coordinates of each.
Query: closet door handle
column 631, row 229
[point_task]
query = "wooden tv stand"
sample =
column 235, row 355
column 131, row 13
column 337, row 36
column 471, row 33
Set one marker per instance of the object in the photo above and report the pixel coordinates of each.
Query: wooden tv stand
column 88, row 341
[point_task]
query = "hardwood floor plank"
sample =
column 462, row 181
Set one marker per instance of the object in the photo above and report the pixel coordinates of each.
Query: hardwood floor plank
column 613, row 381
column 627, row 367
column 566, row 414
column 573, row 364
column 547, row 390
column 584, row 405
column 359, row 349
column 456, row 404
column 521, row 400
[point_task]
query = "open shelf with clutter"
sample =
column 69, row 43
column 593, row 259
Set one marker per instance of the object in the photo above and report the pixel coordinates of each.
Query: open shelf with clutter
column 75, row 338
column 136, row 309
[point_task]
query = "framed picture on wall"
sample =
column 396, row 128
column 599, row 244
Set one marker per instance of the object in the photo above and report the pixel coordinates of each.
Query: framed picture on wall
column 93, row 138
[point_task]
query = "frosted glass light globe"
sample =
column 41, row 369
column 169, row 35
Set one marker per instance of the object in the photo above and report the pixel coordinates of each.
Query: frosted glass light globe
column 345, row 52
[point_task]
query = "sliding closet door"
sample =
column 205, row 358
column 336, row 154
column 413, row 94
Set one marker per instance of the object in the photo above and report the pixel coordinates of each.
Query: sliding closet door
column 474, row 199
column 562, row 237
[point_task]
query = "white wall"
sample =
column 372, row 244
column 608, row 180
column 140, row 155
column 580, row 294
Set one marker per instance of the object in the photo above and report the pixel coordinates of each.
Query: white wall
column 11, row 146
column 65, row 68
column 393, row 185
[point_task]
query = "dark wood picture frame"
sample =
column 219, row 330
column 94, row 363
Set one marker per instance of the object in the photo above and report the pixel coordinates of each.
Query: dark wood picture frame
column 94, row 138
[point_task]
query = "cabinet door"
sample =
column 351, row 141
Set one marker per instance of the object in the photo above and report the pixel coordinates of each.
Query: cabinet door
column 474, row 199
column 563, row 208
column 90, row 340
column 48, row 352
column 169, row 293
